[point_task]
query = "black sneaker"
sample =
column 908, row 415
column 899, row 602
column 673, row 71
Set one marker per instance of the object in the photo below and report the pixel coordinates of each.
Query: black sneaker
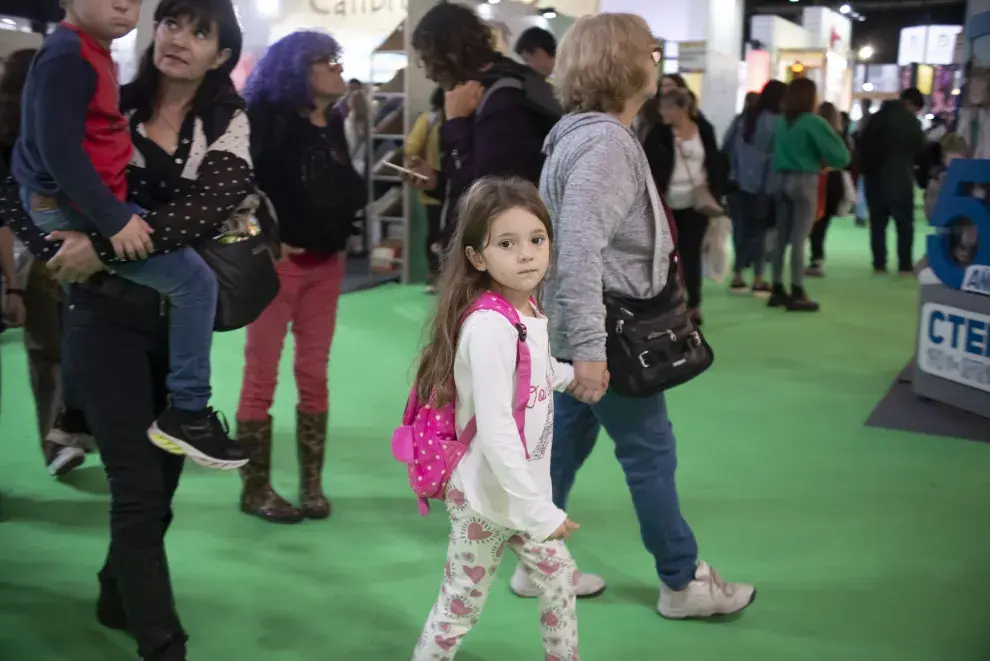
column 738, row 285
column 200, row 435
column 762, row 290
column 779, row 297
column 62, row 459
column 800, row 302
column 70, row 430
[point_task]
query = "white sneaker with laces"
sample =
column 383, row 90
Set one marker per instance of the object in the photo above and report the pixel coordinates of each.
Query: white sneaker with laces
column 588, row 585
column 705, row 596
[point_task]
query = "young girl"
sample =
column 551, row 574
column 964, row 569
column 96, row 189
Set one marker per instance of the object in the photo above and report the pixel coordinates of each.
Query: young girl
column 496, row 498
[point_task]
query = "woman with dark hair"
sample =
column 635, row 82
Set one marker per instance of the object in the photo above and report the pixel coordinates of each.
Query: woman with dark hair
column 302, row 162
column 42, row 305
column 803, row 144
column 683, row 156
column 191, row 168
column 750, row 152
column 501, row 136
column 834, row 190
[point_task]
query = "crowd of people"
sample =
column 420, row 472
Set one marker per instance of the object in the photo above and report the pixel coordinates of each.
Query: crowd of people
column 582, row 158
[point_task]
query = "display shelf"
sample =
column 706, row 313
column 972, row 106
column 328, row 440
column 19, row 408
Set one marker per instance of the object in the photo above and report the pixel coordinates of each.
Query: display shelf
column 388, row 212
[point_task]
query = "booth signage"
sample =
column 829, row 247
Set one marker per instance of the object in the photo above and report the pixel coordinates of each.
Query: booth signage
column 955, row 204
column 954, row 344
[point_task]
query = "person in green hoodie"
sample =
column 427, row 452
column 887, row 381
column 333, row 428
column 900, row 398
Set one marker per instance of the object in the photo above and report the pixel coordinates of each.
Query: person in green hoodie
column 803, row 144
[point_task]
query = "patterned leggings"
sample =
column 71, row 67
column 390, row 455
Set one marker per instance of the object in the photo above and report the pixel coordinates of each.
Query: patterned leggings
column 473, row 555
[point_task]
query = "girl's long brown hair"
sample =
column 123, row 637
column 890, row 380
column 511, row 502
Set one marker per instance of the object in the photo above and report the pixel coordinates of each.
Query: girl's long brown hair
column 461, row 283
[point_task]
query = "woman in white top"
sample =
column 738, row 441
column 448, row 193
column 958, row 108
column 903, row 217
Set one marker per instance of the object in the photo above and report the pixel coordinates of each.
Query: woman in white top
column 683, row 155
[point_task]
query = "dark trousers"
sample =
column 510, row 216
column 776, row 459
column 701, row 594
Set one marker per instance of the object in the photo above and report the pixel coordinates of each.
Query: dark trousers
column 749, row 232
column 817, row 238
column 647, row 451
column 117, row 372
column 691, row 228
column 886, row 200
column 434, row 217
column 43, row 344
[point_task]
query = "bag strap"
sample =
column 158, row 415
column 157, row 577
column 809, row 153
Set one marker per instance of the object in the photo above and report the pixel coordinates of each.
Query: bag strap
column 502, row 83
column 524, row 367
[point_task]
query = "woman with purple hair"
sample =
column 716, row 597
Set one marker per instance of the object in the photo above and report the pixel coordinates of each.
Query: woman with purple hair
column 302, row 162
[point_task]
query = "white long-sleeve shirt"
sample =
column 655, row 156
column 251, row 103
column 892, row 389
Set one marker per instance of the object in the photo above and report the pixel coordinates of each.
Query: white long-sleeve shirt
column 496, row 479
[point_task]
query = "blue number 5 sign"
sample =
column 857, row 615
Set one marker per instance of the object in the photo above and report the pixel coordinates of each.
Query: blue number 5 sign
column 955, row 205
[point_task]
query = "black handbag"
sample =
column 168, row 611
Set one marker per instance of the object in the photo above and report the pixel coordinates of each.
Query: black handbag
column 246, row 277
column 652, row 345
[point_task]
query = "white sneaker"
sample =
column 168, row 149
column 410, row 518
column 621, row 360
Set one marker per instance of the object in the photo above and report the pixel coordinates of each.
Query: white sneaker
column 588, row 585
column 705, row 596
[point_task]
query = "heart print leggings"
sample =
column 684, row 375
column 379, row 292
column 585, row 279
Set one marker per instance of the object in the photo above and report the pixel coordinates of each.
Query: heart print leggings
column 473, row 555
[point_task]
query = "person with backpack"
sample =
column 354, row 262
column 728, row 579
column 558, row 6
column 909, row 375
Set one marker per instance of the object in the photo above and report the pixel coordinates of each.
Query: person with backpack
column 497, row 112
column 302, row 162
column 116, row 358
column 478, row 429
column 888, row 148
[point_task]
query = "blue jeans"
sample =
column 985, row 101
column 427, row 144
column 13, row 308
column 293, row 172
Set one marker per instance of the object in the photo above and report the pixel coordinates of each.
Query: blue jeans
column 749, row 233
column 646, row 449
column 190, row 286
column 862, row 210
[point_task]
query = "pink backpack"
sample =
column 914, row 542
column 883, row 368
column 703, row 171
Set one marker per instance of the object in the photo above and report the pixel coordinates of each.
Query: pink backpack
column 427, row 440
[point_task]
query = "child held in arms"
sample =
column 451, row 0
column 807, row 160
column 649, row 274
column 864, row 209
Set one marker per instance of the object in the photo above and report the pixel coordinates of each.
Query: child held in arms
column 71, row 164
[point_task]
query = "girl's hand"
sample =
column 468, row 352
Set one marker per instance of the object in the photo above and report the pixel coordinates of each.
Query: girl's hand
column 565, row 531
column 588, row 391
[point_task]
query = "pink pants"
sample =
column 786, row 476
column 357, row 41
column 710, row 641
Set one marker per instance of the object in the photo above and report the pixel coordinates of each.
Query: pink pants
column 308, row 299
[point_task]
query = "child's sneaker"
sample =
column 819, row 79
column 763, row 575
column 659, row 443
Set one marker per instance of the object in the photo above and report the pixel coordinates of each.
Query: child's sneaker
column 62, row 459
column 200, row 435
column 705, row 596
column 70, row 430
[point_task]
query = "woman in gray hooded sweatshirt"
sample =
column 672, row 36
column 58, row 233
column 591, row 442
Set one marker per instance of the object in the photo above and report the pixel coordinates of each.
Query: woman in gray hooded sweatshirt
column 614, row 234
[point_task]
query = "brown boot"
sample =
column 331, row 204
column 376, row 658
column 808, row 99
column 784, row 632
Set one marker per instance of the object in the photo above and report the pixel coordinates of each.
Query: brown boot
column 311, row 441
column 257, row 496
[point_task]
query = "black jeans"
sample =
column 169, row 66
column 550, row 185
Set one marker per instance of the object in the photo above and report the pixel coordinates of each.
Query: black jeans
column 118, row 363
column 749, row 232
column 818, row 233
column 691, row 228
column 884, row 200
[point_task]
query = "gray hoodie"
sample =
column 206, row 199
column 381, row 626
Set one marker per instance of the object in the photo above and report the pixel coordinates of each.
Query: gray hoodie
column 607, row 217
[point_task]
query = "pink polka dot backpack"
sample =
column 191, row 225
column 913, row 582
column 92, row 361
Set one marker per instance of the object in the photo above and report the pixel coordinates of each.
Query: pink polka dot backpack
column 427, row 441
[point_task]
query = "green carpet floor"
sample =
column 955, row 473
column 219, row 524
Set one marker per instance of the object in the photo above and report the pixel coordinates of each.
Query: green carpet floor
column 865, row 544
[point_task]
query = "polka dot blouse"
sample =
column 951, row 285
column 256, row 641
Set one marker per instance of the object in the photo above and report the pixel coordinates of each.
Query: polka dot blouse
column 189, row 192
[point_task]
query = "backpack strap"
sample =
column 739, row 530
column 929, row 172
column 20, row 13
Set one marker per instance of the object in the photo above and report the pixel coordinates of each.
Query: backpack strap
column 524, row 368
column 502, row 83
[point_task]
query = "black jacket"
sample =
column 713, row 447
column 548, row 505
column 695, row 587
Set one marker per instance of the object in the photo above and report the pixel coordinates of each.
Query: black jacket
column 306, row 172
column 659, row 147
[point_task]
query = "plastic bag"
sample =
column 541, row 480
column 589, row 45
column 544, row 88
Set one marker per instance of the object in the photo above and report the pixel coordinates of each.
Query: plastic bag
column 715, row 248
column 849, row 195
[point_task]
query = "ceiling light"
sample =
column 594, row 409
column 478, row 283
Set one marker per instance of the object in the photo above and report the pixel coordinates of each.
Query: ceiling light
column 867, row 87
column 845, row 9
column 549, row 12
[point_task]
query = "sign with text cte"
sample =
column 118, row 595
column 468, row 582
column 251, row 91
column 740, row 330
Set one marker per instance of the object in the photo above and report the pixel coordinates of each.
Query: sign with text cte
column 954, row 344
column 962, row 264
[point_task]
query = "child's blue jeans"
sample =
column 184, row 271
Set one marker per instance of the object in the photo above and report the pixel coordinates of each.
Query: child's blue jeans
column 185, row 280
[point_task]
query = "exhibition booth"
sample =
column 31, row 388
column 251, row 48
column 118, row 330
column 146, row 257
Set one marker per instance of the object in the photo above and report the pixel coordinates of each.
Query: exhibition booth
column 952, row 363
column 820, row 48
